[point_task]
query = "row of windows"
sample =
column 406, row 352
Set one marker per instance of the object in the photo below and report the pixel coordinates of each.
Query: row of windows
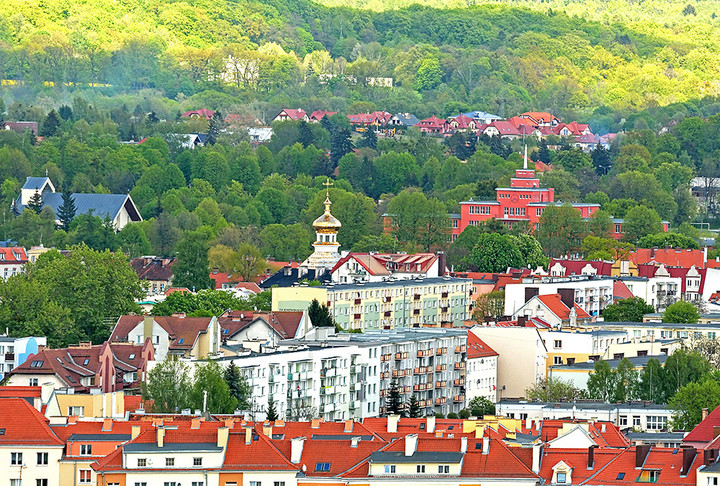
column 398, row 292
column 419, row 468
column 16, row 459
column 169, row 461
column 514, row 211
column 38, row 482
column 479, row 210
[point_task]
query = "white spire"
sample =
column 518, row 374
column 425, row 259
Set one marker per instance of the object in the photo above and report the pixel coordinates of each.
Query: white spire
column 525, row 159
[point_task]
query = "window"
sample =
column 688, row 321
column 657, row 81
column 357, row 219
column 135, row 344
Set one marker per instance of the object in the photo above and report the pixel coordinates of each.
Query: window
column 197, row 461
column 79, row 411
column 86, row 449
column 620, row 476
column 649, row 476
column 41, row 482
column 389, row 468
column 636, row 420
column 557, row 360
column 655, row 422
column 198, row 483
column 420, row 468
column 42, row 458
column 142, row 462
column 623, row 420
column 322, row 466
column 279, row 483
column 16, row 482
column 712, row 481
column 16, row 458
column 170, row 483
column 33, row 382
column 36, row 364
column 443, row 469
column 85, row 475
column 141, row 484
column 255, row 483
column 557, row 344
column 561, row 477
column 169, row 461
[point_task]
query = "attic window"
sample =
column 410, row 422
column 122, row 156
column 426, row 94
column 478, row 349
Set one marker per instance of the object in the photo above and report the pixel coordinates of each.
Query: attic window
column 2, row 431
column 86, row 361
column 322, row 466
column 181, row 340
column 478, row 445
column 620, row 476
column 649, row 476
column 451, row 427
column 225, row 331
column 132, row 356
column 422, row 426
column 36, row 364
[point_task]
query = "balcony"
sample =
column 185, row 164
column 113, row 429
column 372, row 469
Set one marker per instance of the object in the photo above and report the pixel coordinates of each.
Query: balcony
column 416, row 312
column 444, row 295
column 9, row 356
column 357, row 387
column 422, row 353
column 440, row 368
column 357, row 301
column 444, row 309
column 440, row 384
column 329, row 407
column 459, row 382
column 387, row 313
column 460, row 366
column 385, row 374
column 357, row 317
column 460, row 349
column 429, row 370
column 416, row 297
column 459, row 398
column 420, row 387
column 440, row 401
column 355, row 404
column 441, row 351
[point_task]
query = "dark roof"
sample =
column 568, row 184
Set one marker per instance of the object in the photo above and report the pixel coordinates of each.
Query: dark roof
column 102, row 205
column 287, row 276
column 172, row 446
column 152, row 268
column 100, row 437
column 419, row 456
column 35, row 182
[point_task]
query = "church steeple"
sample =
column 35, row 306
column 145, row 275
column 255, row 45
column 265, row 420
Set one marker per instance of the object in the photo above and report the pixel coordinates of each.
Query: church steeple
column 326, row 244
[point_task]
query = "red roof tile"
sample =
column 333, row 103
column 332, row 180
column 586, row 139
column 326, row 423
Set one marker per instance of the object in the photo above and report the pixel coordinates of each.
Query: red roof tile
column 554, row 303
column 476, row 347
column 704, row 431
column 22, row 424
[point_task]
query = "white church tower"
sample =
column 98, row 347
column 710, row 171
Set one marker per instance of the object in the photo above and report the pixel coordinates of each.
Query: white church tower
column 326, row 245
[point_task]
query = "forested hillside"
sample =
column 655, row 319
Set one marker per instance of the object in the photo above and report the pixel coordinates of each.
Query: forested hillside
column 601, row 63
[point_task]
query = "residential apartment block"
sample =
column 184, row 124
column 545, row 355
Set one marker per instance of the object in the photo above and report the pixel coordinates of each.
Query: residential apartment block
column 15, row 350
column 342, row 376
column 592, row 294
column 384, row 305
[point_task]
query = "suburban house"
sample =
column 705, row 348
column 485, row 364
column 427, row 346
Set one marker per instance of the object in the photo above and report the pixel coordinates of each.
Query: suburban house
column 108, row 367
column 155, row 272
column 118, row 208
column 201, row 113
column 20, row 126
column 318, row 115
column 540, row 119
column 376, row 119
column 403, row 120
column 12, row 261
column 462, row 123
column 186, row 337
column 290, row 114
column 432, row 125
column 253, row 330
column 379, row 267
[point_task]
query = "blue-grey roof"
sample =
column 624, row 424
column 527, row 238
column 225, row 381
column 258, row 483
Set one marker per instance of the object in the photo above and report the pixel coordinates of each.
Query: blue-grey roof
column 190, row 446
column 407, row 119
column 100, row 437
column 637, row 361
column 421, row 456
column 35, row 182
column 102, row 205
column 480, row 114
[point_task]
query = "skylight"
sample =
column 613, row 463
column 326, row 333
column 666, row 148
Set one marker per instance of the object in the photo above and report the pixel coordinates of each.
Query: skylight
column 620, row 476
column 181, row 340
column 322, row 466
column 2, row 431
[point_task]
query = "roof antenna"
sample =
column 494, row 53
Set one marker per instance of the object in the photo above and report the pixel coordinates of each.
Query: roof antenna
column 525, row 159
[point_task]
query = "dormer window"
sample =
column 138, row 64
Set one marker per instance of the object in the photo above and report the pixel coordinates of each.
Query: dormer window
column 561, row 478
column 649, row 476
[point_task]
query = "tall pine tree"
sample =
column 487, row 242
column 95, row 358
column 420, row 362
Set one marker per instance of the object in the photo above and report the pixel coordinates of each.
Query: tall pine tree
column 216, row 123
column 35, row 203
column 369, row 139
column 340, row 144
column 319, row 314
column 393, row 403
column 51, row 124
column 272, row 414
column 414, row 407
column 238, row 386
column 66, row 211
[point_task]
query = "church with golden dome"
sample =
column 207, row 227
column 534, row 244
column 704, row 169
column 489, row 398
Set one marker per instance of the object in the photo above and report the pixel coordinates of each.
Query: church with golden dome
column 327, row 248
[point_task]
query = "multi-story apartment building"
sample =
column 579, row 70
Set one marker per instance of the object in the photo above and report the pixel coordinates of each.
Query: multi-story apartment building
column 384, row 305
column 592, row 294
column 659, row 332
column 15, row 350
column 337, row 377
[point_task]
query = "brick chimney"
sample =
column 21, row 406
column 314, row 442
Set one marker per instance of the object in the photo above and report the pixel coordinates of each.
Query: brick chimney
column 641, row 453
column 687, row 459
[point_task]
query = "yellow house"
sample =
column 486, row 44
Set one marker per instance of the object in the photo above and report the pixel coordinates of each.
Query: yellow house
column 93, row 405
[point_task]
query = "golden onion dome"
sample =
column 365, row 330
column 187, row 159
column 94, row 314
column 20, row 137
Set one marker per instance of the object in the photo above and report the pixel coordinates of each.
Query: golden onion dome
column 326, row 222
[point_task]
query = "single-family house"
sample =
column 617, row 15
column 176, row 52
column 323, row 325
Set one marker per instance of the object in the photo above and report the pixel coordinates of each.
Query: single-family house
column 403, row 120
column 291, row 114
column 432, row 125
column 318, row 115
column 201, row 113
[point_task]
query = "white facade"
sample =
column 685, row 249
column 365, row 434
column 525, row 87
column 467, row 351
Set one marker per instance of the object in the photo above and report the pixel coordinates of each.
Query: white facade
column 481, row 378
column 592, row 295
column 522, row 357
column 348, row 375
column 658, row 291
column 26, row 463
column 14, row 351
column 644, row 417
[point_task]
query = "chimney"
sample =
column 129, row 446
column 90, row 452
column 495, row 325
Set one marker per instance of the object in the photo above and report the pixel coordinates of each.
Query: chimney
column 430, row 427
column 528, row 423
column 348, row 427
column 709, row 456
column 147, row 328
column 463, row 444
column 392, row 423
column 591, row 456
column 354, row 442
column 687, row 459
column 315, row 424
column 267, row 430
column 248, row 435
column 603, row 428
column 716, row 431
column 486, row 445
column 704, row 413
column 160, row 436
column 107, row 425
column 222, row 438
column 135, row 431
column 641, row 453
column 411, row 441
column 296, row 449
column 442, row 263
column 195, row 423
column 536, row 457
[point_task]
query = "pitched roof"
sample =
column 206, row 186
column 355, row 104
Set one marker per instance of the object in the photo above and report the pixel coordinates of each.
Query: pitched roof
column 704, row 431
column 183, row 331
column 201, row 113
column 577, row 460
column 319, row 114
column 258, row 455
column 13, row 255
column 285, row 323
column 477, row 348
column 381, row 264
column 668, row 462
column 539, row 116
column 102, row 205
column 621, row 291
column 555, row 304
column 294, row 114
column 151, row 268
column 407, row 119
column 36, row 183
column 20, row 424
column 674, row 257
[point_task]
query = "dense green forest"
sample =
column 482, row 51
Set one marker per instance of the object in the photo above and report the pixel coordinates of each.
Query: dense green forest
column 599, row 62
